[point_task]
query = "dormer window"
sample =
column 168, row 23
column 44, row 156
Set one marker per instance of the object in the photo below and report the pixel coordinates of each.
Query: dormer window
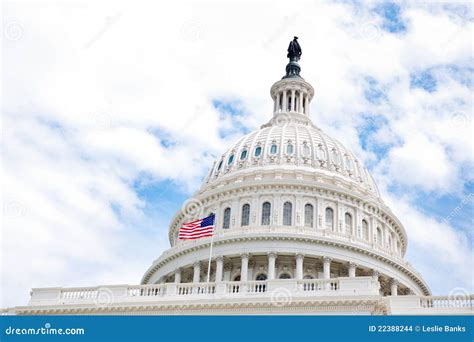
column 220, row 165
column 273, row 149
column 258, row 151
column 231, row 159
column 289, row 148
column 243, row 155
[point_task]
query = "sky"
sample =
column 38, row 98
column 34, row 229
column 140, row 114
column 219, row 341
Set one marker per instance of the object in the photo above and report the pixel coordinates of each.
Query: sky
column 113, row 113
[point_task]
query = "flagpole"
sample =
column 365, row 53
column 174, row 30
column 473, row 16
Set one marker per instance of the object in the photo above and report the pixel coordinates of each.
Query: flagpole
column 210, row 256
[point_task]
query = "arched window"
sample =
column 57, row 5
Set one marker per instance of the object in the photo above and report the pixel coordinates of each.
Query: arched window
column 308, row 276
column 335, row 157
column 245, row 214
column 289, row 149
column 329, row 218
column 348, row 222
column 273, row 149
column 308, row 215
column 306, row 150
column 261, row 277
column 379, row 236
column 287, row 213
column 230, row 160
column 226, row 223
column 243, row 155
column 266, row 212
column 321, row 153
column 258, row 151
column 220, row 165
column 285, row 276
column 365, row 230
column 236, row 278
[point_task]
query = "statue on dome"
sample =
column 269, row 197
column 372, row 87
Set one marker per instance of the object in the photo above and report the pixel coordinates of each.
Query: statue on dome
column 294, row 50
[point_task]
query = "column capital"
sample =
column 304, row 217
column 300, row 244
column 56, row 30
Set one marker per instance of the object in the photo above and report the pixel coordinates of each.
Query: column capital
column 178, row 270
column 394, row 282
column 352, row 264
column 375, row 273
column 219, row 258
column 197, row 264
column 327, row 259
column 244, row 255
column 272, row 254
column 299, row 256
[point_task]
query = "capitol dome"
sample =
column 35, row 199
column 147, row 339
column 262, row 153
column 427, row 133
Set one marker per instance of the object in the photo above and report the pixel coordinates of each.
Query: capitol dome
column 290, row 202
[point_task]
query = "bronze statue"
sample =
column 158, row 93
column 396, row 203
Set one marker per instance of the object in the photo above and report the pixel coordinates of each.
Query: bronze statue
column 294, row 50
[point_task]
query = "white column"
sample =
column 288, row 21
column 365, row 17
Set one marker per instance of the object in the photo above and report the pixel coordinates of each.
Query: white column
column 300, row 109
column 244, row 267
column 394, row 287
column 306, row 104
column 277, row 103
column 177, row 275
column 197, row 272
column 219, row 268
column 271, row 265
column 352, row 269
column 284, row 103
column 299, row 266
column 293, row 98
column 327, row 267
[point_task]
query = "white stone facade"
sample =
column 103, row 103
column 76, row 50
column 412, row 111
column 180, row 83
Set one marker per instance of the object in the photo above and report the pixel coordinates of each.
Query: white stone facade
column 300, row 229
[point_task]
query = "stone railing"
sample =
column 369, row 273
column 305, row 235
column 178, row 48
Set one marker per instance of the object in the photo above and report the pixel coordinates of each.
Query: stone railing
column 106, row 295
column 431, row 305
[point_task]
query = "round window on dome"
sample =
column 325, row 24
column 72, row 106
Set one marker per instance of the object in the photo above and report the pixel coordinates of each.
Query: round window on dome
column 243, row 155
column 258, row 151
column 273, row 149
column 289, row 149
column 231, row 159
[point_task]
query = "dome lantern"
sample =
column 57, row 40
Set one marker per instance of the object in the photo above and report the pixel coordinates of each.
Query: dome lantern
column 292, row 94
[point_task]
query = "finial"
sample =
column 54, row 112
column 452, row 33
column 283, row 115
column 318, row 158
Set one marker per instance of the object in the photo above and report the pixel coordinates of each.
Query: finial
column 294, row 54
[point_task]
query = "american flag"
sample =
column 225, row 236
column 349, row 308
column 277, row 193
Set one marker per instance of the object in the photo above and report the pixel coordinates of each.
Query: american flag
column 197, row 229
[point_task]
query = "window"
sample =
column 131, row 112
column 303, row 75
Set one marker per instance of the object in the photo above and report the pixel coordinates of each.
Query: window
column 306, row 150
column 245, row 214
column 321, row 153
column 273, row 149
column 285, row 276
column 243, row 155
column 379, row 236
column 261, row 277
column 266, row 211
column 226, row 223
column 308, row 215
column 287, row 213
column 329, row 218
column 258, row 151
column 231, row 159
column 289, row 149
column 220, row 165
column 335, row 157
column 348, row 222
column 365, row 230
column 308, row 276
column 348, row 163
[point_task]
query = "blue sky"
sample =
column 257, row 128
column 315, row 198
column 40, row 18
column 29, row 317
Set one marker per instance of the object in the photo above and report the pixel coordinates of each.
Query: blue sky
column 107, row 133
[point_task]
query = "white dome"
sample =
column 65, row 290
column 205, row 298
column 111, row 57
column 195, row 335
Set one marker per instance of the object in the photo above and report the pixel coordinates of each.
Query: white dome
column 294, row 145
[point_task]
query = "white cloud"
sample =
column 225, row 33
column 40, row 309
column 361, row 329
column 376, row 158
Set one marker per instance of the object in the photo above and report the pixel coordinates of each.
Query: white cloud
column 92, row 91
